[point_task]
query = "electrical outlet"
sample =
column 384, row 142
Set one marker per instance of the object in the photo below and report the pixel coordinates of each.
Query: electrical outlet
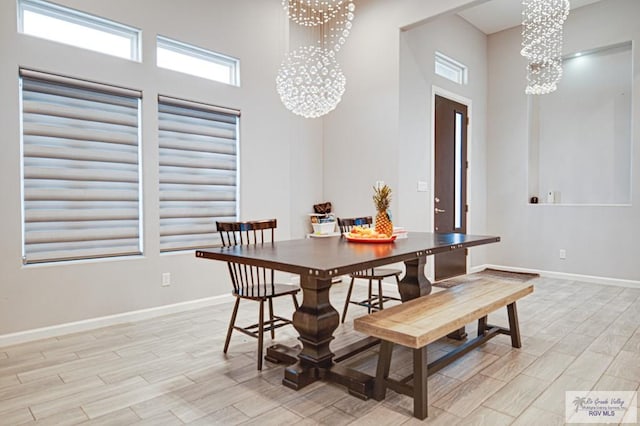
column 563, row 254
column 166, row 279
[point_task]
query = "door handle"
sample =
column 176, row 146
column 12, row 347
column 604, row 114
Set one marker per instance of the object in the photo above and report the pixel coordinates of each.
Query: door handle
column 439, row 210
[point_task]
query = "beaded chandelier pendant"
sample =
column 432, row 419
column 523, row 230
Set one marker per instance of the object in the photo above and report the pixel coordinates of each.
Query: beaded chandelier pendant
column 542, row 30
column 309, row 81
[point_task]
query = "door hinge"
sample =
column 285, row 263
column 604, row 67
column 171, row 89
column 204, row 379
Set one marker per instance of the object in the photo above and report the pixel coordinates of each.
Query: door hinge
column 466, row 164
column 466, row 208
column 466, row 252
column 467, row 120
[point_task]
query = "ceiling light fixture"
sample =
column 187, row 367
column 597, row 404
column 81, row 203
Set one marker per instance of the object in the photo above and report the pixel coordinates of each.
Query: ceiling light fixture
column 309, row 81
column 542, row 28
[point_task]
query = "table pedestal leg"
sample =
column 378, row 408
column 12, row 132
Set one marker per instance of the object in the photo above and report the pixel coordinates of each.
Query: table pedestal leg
column 459, row 334
column 315, row 320
column 414, row 283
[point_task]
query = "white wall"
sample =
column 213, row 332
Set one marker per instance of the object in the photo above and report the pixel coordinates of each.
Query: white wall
column 281, row 155
column 459, row 40
column 600, row 241
column 584, row 141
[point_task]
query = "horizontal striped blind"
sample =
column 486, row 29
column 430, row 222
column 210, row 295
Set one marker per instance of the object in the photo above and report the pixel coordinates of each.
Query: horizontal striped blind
column 81, row 172
column 198, row 172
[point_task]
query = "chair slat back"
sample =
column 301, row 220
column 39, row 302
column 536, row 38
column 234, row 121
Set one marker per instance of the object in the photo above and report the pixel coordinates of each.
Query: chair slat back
column 345, row 224
column 248, row 280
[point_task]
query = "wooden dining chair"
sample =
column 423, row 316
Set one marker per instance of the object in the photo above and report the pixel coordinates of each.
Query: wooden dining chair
column 374, row 302
column 253, row 282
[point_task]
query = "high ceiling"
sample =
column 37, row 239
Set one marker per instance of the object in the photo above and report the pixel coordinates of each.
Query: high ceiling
column 498, row 15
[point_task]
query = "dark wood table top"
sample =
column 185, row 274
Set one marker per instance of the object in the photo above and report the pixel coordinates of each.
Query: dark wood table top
column 327, row 257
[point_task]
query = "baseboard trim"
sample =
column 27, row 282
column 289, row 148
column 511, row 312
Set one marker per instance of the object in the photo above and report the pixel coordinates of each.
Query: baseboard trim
column 93, row 323
column 563, row 275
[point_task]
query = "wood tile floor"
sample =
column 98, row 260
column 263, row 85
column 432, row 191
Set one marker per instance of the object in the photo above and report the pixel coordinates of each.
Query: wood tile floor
column 171, row 371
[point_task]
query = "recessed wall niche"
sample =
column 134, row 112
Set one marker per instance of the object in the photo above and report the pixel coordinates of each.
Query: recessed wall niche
column 580, row 136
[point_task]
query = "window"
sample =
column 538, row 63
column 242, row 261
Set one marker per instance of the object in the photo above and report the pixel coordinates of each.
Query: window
column 193, row 60
column 198, row 172
column 458, row 176
column 53, row 22
column 80, row 169
column 450, row 69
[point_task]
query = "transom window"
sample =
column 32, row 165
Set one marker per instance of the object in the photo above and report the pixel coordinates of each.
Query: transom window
column 450, row 69
column 64, row 25
column 189, row 59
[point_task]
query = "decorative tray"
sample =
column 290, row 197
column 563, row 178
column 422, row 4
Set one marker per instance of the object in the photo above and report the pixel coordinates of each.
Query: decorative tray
column 369, row 240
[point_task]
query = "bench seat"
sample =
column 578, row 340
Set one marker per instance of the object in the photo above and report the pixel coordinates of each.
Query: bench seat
column 416, row 323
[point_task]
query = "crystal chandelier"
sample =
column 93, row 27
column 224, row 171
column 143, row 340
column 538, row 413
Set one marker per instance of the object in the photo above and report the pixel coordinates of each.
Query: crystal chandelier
column 542, row 22
column 310, row 82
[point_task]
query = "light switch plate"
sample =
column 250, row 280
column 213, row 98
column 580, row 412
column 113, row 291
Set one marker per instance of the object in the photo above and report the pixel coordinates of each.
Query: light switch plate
column 166, row 279
column 423, row 186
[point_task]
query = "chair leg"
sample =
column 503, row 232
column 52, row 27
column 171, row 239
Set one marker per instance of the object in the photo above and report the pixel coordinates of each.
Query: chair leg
column 260, row 334
column 348, row 300
column 273, row 330
column 370, row 297
column 295, row 301
column 380, row 299
column 232, row 322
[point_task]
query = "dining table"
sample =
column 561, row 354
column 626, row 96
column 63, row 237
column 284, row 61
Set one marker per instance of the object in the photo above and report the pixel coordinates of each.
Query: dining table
column 317, row 261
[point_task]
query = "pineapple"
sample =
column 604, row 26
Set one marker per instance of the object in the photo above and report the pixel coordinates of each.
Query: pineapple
column 382, row 199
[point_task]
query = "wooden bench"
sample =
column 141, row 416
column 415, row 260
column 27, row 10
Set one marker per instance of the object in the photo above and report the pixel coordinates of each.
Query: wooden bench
column 421, row 321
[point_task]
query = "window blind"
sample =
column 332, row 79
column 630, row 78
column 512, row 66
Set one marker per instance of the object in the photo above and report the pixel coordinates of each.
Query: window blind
column 198, row 172
column 81, row 169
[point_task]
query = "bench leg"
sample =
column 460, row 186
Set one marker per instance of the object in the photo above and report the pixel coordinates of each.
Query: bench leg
column 382, row 372
column 514, row 328
column 420, row 402
column 482, row 326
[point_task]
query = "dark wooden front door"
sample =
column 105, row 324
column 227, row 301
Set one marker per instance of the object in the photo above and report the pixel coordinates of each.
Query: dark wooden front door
column 450, row 194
